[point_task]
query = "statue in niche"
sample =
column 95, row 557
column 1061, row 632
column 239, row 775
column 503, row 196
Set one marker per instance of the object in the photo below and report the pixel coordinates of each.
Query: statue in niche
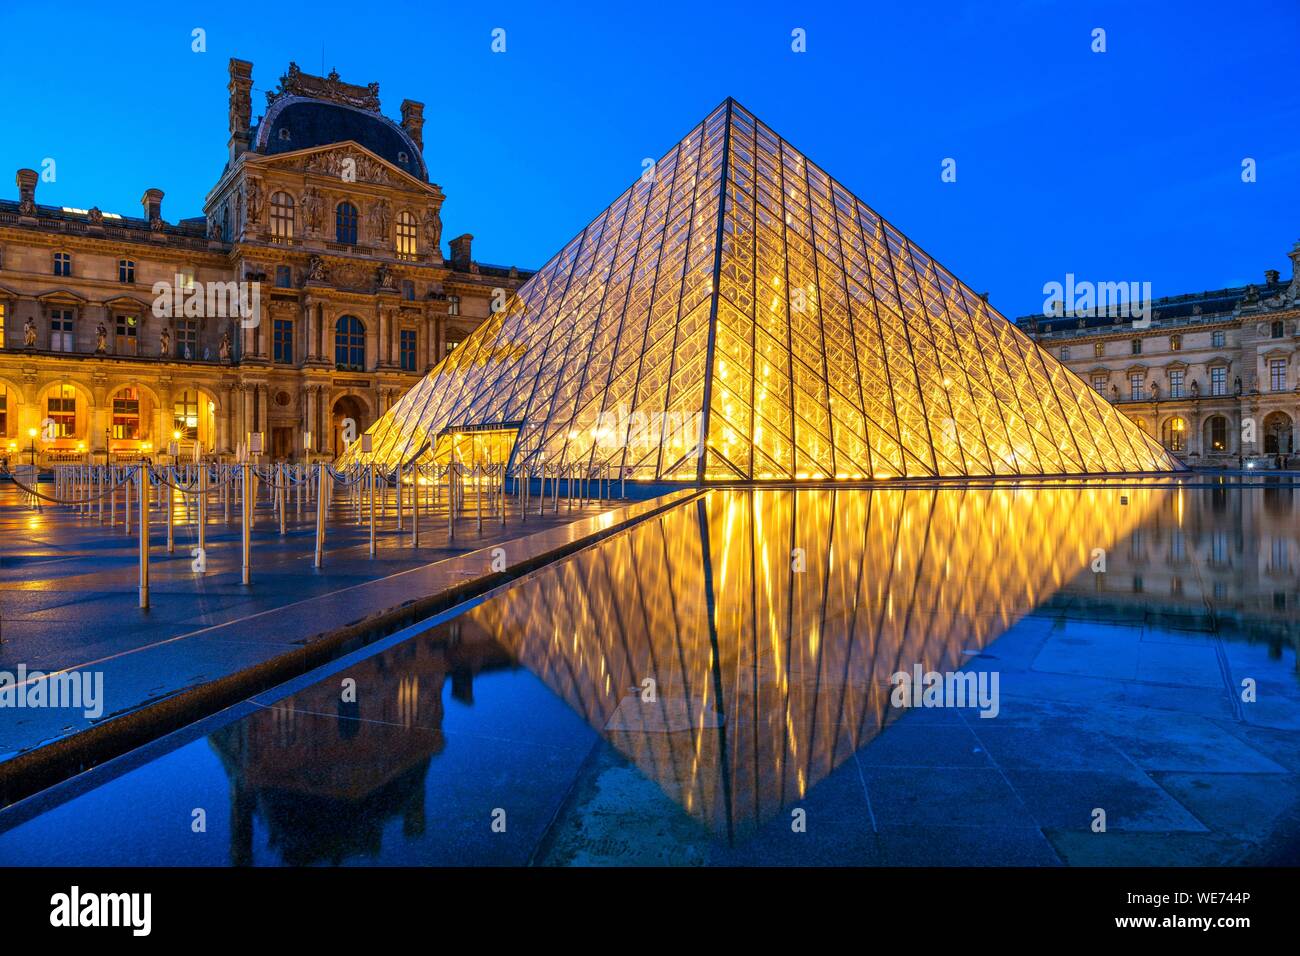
column 1196, row 389
column 433, row 230
column 254, row 201
column 385, row 278
column 312, row 206
column 379, row 219
column 223, row 350
column 316, row 271
column 165, row 342
column 101, row 339
column 29, row 334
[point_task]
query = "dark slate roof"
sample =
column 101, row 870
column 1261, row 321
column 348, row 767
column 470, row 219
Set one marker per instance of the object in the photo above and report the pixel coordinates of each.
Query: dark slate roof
column 311, row 122
column 1198, row 306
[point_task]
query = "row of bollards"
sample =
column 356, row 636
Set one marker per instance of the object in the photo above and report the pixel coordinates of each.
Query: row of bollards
column 459, row 491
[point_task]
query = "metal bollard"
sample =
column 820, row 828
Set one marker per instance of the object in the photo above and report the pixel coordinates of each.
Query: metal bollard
column 144, row 537
column 171, row 509
column 371, row 475
column 246, row 523
column 320, row 515
column 203, row 512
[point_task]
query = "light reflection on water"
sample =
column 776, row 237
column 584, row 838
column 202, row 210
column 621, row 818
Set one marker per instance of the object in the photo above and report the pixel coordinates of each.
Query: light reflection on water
column 769, row 621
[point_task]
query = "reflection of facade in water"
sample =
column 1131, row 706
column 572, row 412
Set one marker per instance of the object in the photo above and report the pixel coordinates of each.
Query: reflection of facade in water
column 768, row 676
column 1234, row 550
column 325, row 776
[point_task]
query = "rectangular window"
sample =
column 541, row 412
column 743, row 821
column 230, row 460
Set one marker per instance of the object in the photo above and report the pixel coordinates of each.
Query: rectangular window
column 407, row 350
column 127, row 341
column 4, row 411
column 1137, row 346
column 1099, row 350
column 1065, row 354
column 61, row 407
column 61, row 330
column 187, row 338
column 453, row 305
column 283, row 277
column 1219, row 380
column 1218, row 338
column 282, row 342
column 1277, row 375
column 62, row 264
column 185, row 415
column 1099, row 384
column 1136, row 388
column 1176, row 383
column 451, row 345
column 126, row 414
column 408, row 290
column 125, row 270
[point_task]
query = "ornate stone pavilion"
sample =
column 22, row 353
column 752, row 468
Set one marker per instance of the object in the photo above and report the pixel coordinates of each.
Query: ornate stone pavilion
column 118, row 333
column 1211, row 375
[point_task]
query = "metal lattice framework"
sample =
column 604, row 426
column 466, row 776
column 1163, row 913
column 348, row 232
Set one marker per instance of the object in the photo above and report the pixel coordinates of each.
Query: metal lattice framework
column 737, row 314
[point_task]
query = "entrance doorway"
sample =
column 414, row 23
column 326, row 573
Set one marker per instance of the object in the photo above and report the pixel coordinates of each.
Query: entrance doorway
column 349, row 421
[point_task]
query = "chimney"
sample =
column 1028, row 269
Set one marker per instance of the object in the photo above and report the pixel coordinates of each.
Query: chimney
column 460, row 252
column 26, row 180
column 241, row 106
column 152, row 203
column 413, row 122
column 1271, row 276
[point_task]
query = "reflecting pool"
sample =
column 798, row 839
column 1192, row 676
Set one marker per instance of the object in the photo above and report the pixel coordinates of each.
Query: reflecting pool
column 719, row 685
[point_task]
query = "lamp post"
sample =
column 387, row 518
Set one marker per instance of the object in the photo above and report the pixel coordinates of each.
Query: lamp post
column 31, row 433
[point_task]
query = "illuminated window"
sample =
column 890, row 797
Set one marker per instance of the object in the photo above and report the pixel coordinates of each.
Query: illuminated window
column 350, row 343
column 1277, row 375
column 125, row 270
column 1099, row 350
column 281, row 216
column 451, row 345
column 453, row 305
column 1175, row 343
column 1174, row 434
column 185, row 415
column 1219, row 380
column 2, row 325
column 1176, row 377
column 282, row 342
column 126, row 414
column 61, row 330
column 345, row 224
column 127, row 337
column 406, row 350
column 62, row 264
column 405, row 235
column 61, row 409
column 4, row 411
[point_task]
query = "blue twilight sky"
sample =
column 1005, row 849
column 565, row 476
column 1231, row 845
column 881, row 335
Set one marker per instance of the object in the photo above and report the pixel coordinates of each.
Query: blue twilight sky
column 1123, row 165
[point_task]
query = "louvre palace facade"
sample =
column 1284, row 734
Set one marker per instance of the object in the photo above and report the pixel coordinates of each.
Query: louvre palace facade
column 311, row 293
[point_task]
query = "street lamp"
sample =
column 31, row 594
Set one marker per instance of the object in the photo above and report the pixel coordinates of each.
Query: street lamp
column 31, row 433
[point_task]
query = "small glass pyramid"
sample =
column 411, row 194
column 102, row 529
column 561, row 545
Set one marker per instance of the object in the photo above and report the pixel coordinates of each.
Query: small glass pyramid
column 737, row 314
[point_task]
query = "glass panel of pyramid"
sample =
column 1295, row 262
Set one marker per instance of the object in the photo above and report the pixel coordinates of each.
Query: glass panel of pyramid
column 737, row 314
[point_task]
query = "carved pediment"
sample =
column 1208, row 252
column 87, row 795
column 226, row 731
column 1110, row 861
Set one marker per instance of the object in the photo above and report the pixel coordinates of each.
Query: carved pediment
column 348, row 163
column 298, row 83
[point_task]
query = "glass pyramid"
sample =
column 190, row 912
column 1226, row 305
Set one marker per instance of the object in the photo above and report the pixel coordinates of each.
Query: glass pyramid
column 737, row 314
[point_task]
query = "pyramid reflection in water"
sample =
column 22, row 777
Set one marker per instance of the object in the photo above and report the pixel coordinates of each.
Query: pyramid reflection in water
column 739, row 315
column 768, row 677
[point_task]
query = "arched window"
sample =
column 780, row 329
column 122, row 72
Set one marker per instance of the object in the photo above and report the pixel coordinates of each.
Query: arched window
column 405, row 235
column 185, row 415
column 1174, row 434
column 350, row 343
column 281, row 215
column 1277, row 434
column 126, row 414
column 345, row 224
column 1216, row 434
column 61, row 409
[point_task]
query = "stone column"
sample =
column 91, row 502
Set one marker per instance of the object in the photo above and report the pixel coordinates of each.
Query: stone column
column 382, row 352
column 311, row 330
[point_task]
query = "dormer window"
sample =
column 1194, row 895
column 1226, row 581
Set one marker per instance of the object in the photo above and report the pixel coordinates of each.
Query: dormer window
column 284, row 134
column 403, row 158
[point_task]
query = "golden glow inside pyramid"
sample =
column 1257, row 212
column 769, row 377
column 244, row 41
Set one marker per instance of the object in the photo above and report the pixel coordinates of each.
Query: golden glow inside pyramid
column 737, row 314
